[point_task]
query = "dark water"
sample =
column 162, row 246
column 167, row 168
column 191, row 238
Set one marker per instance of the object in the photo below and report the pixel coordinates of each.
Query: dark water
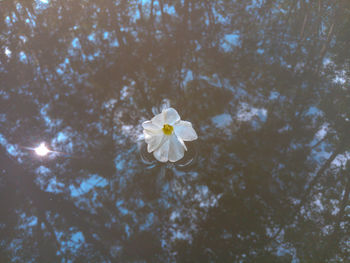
column 264, row 83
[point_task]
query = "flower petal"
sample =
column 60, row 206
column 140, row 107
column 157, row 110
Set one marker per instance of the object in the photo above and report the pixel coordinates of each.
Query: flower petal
column 153, row 140
column 171, row 116
column 176, row 149
column 161, row 154
column 149, row 125
column 159, row 120
column 185, row 131
column 183, row 143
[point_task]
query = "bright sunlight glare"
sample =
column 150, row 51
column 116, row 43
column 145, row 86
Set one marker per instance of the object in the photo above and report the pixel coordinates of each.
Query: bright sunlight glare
column 41, row 150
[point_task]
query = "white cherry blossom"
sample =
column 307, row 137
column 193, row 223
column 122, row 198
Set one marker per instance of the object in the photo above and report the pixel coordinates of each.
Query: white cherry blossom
column 165, row 135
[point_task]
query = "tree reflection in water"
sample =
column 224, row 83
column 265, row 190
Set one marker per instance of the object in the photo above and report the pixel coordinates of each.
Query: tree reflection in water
column 265, row 84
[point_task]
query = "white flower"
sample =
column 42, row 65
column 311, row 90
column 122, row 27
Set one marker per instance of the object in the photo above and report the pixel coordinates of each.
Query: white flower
column 165, row 134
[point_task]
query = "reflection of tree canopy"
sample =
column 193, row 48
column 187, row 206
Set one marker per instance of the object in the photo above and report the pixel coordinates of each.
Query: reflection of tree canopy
column 265, row 85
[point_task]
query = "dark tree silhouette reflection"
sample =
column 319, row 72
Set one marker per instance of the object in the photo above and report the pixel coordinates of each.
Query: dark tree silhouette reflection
column 265, row 84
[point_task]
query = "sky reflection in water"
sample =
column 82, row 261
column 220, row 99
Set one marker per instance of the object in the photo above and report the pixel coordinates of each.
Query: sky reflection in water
column 265, row 85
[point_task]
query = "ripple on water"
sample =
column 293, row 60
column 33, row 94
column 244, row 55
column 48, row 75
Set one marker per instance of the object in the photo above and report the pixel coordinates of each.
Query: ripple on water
column 186, row 163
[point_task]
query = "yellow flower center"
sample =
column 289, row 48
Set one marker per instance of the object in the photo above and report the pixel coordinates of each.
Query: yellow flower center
column 168, row 129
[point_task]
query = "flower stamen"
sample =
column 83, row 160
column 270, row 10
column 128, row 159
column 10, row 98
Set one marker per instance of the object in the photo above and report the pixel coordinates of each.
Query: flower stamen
column 167, row 129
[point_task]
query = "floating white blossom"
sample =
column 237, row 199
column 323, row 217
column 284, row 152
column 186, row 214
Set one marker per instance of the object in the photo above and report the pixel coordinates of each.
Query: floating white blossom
column 165, row 134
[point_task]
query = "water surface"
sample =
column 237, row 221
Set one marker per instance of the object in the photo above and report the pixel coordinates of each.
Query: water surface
column 264, row 83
